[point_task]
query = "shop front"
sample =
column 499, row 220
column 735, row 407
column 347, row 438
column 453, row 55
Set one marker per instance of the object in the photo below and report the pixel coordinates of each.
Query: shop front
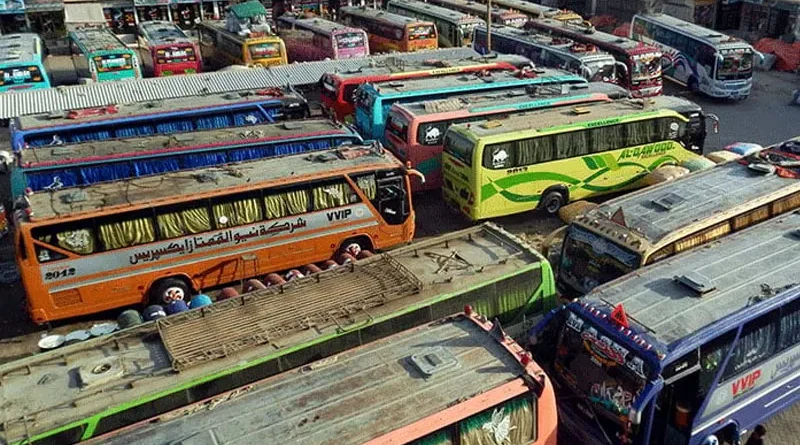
column 46, row 18
column 705, row 13
column 120, row 17
column 185, row 13
column 729, row 13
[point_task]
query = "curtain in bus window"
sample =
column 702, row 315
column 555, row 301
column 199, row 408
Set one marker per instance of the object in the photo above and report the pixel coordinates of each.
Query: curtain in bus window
column 185, row 222
column 640, row 133
column 607, row 138
column 286, row 204
column 244, row 211
column 196, row 160
column 248, row 118
column 90, row 136
column 104, row 172
column 155, row 166
column 368, row 185
column 42, row 180
column 126, row 233
column 174, row 127
column 212, row 122
column 574, row 143
column 790, row 326
column 785, row 204
column 752, row 347
column 331, row 195
column 510, row 424
column 129, row 132
column 437, row 438
column 534, row 150
column 668, row 129
column 79, row 241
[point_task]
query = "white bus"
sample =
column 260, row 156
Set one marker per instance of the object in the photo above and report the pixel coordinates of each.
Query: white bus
column 704, row 60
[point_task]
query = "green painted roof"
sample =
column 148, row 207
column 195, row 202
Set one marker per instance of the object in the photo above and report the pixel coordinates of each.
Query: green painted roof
column 247, row 10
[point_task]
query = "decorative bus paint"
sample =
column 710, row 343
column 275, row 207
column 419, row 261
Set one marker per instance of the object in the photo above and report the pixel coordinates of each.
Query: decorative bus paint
column 100, row 55
column 221, row 48
column 22, row 63
column 167, row 50
column 391, row 32
column 704, row 60
column 414, row 131
column 704, row 343
column 455, row 28
column 544, row 159
column 537, row 11
column 667, row 219
column 456, row 376
column 309, row 39
column 412, row 286
column 643, row 62
column 88, row 163
column 499, row 15
column 373, row 100
column 555, row 52
column 338, row 88
column 162, row 117
column 151, row 238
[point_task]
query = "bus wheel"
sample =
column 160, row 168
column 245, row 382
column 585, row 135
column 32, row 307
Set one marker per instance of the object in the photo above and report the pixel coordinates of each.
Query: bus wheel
column 552, row 202
column 693, row 87
column 354, row 246
column 168, row 290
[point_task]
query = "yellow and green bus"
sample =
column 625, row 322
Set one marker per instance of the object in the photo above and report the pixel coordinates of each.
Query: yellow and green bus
column 544, row 159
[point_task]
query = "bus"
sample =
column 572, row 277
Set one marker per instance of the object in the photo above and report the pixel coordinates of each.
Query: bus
column 556, row 52
column 390, row 32
column 541, row 160
column 414, row 131
column 703, row 60
column 661, row 221
column 499, row 15
column 537, row 11
column 643, row 62
column 418, row 394
column 373, row 100
column 309, row 39
column 98, row 54
column 88, row 163
column 22, row 63
column 166, row 50
column 701, row 344
column 221, row 48
column 111, row 244
column 455, row 28
column 168, row 116
column 338, row 88
column 497, row 274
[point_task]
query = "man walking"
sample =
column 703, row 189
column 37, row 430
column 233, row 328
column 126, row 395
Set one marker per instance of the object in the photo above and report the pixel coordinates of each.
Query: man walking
column 757, row 438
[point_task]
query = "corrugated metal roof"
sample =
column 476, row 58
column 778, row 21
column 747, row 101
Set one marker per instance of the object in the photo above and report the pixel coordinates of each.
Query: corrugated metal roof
column 96, row 95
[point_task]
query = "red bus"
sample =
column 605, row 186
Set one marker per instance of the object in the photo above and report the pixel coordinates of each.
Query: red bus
column 165, row 50
column 338, row 88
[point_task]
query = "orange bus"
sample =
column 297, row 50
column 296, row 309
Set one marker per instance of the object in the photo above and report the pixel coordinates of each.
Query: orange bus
column 459, row 380
column 160, row 237
column 391, row 32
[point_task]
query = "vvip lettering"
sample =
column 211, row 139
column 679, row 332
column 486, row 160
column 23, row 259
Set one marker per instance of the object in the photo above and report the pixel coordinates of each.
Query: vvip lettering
column 338, row 215
column 745, row 383
column 647, row 151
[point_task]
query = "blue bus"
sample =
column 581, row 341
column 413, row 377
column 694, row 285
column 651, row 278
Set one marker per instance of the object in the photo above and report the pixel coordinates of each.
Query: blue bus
column 22, row 63
column 373, row 101
column 162, row 117
column 705, row 343
column 112, row 160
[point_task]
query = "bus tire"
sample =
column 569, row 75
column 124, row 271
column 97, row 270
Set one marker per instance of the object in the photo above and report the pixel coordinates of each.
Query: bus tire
column 552, row 202
column 693, row 86
column 166, row 291
column 364, row 243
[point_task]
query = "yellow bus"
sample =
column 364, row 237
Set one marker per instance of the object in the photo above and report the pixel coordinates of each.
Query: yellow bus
column 544, row 159
column 221, row 47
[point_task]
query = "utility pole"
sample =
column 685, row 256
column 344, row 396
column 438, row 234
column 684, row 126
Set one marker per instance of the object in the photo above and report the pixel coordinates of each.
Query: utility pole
column 489, row 26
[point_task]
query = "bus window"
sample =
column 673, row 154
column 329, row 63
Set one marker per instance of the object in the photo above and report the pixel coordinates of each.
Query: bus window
column 176, row 222
column 519, row 414
column 237, row 211
column 757, row 342
column 132, row 230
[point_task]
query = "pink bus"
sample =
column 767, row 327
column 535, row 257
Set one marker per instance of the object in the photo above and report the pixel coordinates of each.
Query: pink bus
column 309, row 39
column 415, row 131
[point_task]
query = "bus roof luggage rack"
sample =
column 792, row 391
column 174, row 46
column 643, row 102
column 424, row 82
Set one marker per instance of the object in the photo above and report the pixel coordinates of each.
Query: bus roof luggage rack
column 696, row 282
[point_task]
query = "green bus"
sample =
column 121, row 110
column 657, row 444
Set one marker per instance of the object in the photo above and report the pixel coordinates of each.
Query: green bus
column 100, row 55
column 83, row 390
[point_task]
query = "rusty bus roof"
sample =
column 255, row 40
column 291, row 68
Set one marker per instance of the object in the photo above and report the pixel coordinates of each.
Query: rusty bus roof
column 156, row 107
column 316, row 24
column 436, row 12
column 169, row 187
column 365, row 393
column 134, row 147
column 41, row 392
column 390, row 65
column 381, row 15
column 162, row 33
column 589, row 33
column 546, row 42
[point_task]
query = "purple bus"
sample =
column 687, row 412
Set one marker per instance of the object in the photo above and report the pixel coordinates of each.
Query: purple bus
column 309, row 39
column 704, row 343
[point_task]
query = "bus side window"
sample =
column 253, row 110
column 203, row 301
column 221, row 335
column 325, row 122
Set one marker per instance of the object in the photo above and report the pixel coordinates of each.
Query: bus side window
column 176, row 222
column 535, row 150
column 712, row 355
column 607, row 138
column 126, row 230
column 790, row 326
column 786, row 204
column 240, row 210
column 280, row 204
column 441, row 437
column 333, row 194
column 499, row 156
column 520, row 414
column 76, row 238
column 572, row 144
column 758, row 342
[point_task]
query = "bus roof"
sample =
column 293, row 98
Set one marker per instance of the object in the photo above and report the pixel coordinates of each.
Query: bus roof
column 219, row 26
column 97, row 40
column 367, row 392
column 480, row 8
column 734, row 272
column 526, row 6
column 511, row 98
column 162, row 33
column 383, row 286
column 75, row 201
column 438, row 11
column 317, row 24
column 20, row 48
column 591, row 34
column 381, row 15
column 544, row 119
column 710, row 36
column 665, row 212
column 155, row 107
column 391, row 88
column 122, row 149
column 389, row 66
column 562, row 45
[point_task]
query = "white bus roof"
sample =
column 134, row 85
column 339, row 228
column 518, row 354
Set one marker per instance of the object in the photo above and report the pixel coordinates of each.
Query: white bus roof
column 734, row 272
column 20, row 48
column 592, row 34
column 559, row 45
column 161, row 33
column 710, row 36
column 437, row 11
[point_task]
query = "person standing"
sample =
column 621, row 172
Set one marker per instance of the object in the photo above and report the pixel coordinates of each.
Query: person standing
column 757, row 438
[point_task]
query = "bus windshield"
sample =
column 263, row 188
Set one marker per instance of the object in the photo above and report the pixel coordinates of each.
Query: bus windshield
column 459, row 147
column 736, row 65
column 265, row 50
column 646, row 66
column 602, row 70
column 113, row 62
column 21, row 74
column 598, row 368
column 589, row 260
column 398, row 126
column 419, row 32
column 350, row 40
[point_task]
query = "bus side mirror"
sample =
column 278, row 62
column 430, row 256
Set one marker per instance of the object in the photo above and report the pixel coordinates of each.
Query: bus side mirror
column 715, row 122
